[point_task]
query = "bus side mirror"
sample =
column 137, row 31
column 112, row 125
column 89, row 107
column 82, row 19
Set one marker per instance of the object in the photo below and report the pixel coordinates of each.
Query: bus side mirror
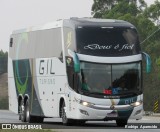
column 75, row 61
column 148, row 62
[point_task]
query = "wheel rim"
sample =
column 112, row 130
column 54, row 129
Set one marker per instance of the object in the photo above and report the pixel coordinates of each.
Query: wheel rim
column 27, row 113
column 22, row 112
column 64, row 117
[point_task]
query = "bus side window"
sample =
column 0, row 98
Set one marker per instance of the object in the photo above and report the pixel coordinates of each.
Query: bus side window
column 75, row 81
column 11, row 42
column 61, row 57
column 70, row 71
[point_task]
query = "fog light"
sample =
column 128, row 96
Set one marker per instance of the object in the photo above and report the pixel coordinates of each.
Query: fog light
column 138, row 112
column 84, row 112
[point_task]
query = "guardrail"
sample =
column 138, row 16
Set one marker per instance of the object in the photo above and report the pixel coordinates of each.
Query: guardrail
column 151, row 113
column 148, row 113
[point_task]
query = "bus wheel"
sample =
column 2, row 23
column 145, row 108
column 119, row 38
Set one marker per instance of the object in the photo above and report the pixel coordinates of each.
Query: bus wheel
column 65, row 120
column 121, row 122
column 22, row 115
column 27, row 111
column 30, row 118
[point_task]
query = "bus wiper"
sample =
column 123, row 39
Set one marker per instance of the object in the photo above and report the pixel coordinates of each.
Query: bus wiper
column 130, row 94
column 88, row 92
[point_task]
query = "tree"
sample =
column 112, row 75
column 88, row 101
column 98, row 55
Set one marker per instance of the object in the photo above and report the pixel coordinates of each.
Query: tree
column 3, row 61
column 103, row 7
column 153, row 12
column 145, row 20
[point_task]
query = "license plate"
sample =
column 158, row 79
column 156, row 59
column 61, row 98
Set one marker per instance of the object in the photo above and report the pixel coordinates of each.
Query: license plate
column 112, row 114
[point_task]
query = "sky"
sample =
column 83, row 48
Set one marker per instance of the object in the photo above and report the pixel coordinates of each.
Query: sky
column 19, row 14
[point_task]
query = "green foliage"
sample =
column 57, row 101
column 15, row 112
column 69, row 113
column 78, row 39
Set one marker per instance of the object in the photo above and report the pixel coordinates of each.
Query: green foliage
column 116, row 8
column 153, row 12
column 3, row 54
column 146, row 21
column 3, row 61
column 158, row 61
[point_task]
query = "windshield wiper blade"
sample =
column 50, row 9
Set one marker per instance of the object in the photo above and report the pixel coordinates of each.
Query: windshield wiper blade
column 88, row 92
column 128, row 94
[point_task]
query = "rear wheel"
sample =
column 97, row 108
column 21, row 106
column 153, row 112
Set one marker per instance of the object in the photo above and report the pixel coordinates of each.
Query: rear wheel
column 22, row 115
column 121, row 122
column 30, row 118
column 65, row 120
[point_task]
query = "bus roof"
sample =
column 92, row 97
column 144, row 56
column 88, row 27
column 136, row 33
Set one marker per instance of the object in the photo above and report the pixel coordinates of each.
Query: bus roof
column 75, row 22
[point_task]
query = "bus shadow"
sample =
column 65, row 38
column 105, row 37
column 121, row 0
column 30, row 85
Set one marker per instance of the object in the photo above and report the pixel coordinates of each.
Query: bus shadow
column 59, row 125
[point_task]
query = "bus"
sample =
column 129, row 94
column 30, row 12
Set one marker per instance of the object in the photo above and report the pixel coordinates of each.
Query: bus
column 77, row 69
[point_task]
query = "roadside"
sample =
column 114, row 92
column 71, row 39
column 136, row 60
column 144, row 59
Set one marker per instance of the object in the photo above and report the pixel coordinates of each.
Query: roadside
column 3, row 91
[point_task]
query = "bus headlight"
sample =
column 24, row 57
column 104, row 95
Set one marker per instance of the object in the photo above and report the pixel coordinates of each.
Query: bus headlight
column 135, row 104
column 84, row 103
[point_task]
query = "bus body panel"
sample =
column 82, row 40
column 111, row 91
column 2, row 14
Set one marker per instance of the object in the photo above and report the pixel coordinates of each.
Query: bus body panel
column 102, row 107
column 13, row 101
column 37, row 65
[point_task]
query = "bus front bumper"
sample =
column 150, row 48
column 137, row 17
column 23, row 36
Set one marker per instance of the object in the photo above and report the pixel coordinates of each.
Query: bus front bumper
column 108, row 113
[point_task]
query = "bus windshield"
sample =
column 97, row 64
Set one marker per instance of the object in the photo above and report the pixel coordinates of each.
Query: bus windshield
column 110, row 79
column 107, row 41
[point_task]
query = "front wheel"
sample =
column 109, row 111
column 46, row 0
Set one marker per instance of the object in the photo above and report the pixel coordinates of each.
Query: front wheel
column 121, row 122
column 65, row 120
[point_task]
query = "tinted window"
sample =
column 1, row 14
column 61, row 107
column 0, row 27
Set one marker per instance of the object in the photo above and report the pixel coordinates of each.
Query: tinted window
column 111, row 79
column 103, row 41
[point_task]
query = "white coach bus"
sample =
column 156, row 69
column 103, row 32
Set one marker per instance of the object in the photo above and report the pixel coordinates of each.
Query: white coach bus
column 77, row 69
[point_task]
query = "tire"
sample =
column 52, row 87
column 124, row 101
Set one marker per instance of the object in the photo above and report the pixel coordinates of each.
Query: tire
column 121, row 122
column 29, row 117
column 27, row 111
column 22, row 115
column 65, row 120
column 19, row 111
